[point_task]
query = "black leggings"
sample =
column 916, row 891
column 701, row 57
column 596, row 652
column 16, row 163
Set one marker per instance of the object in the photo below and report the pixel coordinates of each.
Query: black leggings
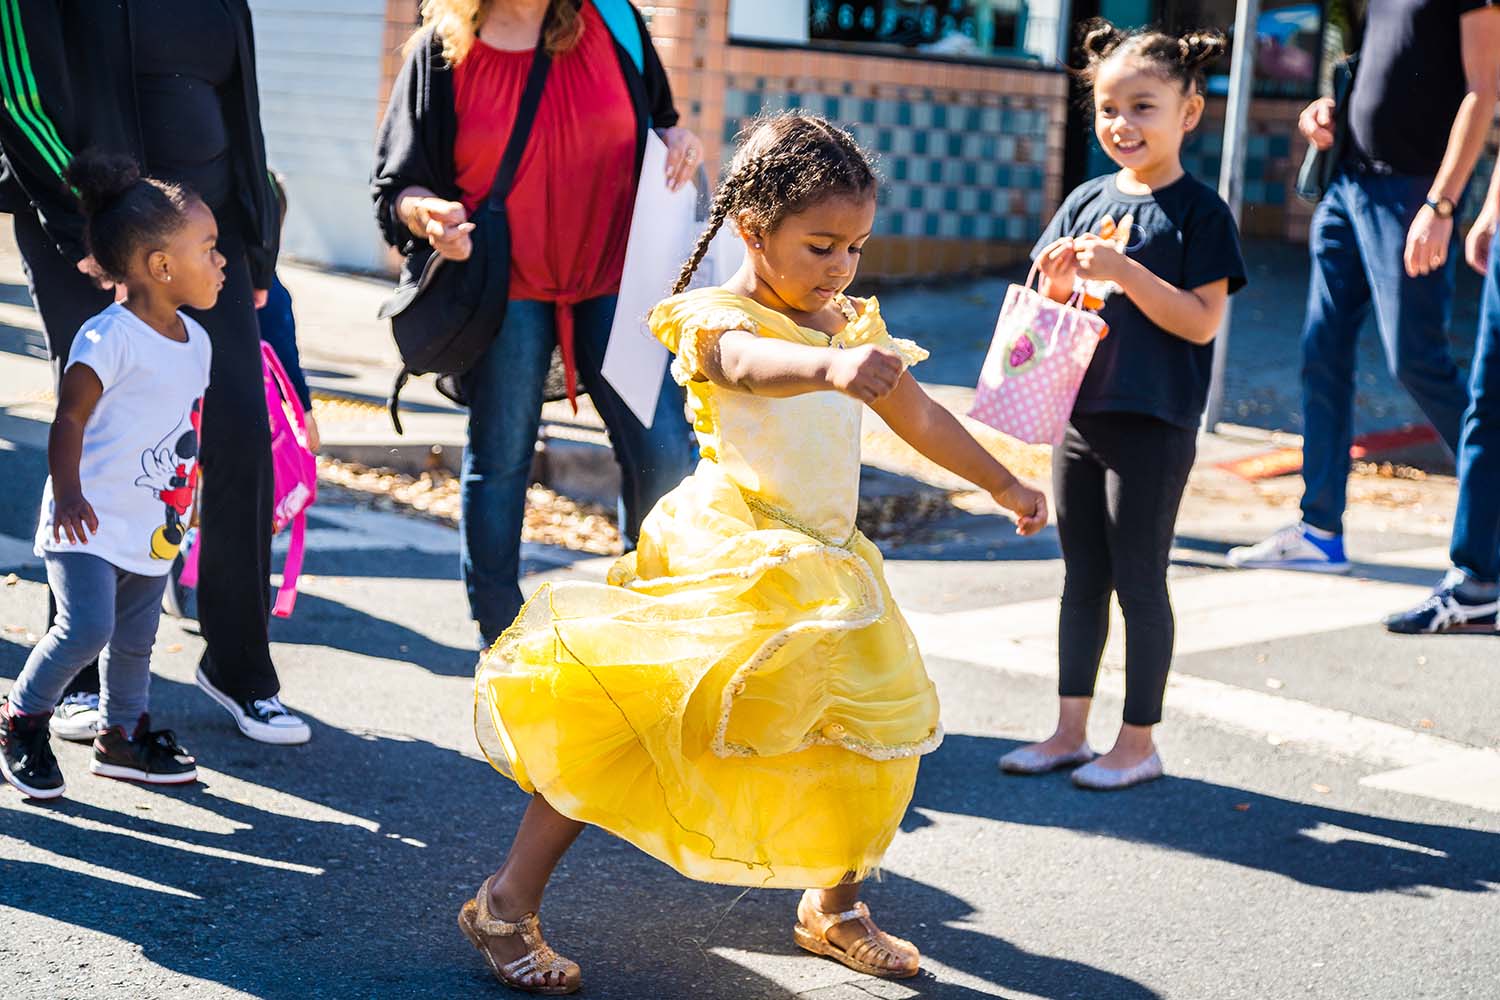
column 234, row 597
column 1118, row 480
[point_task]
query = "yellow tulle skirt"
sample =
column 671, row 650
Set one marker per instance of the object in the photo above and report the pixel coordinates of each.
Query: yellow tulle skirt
column 741, row 700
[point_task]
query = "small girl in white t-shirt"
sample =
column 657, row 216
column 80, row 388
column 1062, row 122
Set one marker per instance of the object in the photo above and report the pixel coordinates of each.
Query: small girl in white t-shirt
column 123, row 457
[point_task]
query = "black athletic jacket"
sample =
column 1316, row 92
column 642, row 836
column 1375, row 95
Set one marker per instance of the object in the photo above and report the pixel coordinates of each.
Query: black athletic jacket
column 415, row 144
column 67, row 81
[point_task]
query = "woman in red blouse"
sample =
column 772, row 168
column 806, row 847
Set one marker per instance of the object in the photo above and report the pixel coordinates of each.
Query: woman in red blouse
column 445, row 130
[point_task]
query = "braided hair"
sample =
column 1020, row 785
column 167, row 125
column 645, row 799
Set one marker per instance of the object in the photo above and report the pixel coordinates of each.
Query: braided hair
column 1179, row 58
column 786, row 162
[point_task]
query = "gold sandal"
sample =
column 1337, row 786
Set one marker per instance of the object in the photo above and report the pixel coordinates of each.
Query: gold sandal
column 540, row 970
column 875, row 954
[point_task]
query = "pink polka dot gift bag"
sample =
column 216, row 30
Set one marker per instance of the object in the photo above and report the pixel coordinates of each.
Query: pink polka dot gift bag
column 1036, row 363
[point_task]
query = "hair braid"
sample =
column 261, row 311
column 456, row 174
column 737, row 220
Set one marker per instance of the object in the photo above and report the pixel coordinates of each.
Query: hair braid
column 723, row 202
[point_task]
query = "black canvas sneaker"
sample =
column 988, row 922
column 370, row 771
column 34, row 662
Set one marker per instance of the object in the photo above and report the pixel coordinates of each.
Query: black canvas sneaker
column 150, row 756
column 26, row 757
column 264, row 719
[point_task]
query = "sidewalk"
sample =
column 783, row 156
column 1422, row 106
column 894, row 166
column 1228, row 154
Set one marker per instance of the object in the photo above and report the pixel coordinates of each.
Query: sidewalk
column 351, row 360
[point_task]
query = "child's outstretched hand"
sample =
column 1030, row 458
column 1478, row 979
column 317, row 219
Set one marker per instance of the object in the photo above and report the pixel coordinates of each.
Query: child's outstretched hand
column 1028, row 505
column 70, row 516
column 867, row 373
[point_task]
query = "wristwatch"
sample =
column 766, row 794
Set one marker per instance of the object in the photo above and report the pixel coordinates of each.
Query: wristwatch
column 1441, row 207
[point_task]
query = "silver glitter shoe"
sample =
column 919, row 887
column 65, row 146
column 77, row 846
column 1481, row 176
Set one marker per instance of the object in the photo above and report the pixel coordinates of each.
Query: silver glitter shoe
column 1108, row 779
column 1030, row 760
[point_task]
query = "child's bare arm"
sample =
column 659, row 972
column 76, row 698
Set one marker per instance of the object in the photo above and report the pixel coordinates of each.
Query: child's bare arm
column 765, row 366
column 928, row 427
column 1193, row 314
column 77, row 398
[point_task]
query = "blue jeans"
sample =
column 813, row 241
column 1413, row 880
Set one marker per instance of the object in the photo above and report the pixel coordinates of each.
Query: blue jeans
column 1357, row 241
column 505, row 403
column 1476, row 523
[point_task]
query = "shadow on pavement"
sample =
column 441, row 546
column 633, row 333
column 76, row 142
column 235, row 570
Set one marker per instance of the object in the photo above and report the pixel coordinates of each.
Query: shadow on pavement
column 344, row 877
column 1307, row 843
column 319, row 621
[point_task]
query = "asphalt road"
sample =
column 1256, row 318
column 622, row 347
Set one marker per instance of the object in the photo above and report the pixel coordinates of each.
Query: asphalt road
column 1261, row 868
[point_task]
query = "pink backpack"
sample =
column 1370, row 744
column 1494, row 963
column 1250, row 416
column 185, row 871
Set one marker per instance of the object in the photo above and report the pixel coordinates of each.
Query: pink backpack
column 296, row 470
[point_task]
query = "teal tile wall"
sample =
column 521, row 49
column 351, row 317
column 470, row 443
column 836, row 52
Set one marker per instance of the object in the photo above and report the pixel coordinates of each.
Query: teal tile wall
column 947, row 170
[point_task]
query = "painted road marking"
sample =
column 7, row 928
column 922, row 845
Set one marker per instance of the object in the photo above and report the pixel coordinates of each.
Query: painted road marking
column 1229, row 610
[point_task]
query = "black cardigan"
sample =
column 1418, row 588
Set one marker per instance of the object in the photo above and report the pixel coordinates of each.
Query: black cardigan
column 68, row 82
column 415, row 143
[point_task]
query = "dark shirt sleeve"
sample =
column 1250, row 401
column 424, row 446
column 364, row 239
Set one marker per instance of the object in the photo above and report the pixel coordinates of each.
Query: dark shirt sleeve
column 278, row 327
column 260, row 202
column 1211, row 247
column 658, row 89
column 407, row 145
column 36, row 118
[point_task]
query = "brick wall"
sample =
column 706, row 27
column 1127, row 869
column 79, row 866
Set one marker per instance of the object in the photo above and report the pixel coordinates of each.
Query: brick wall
column 971, row 156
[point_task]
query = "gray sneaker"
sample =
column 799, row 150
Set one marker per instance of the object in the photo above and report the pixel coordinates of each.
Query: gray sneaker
column 77, row 718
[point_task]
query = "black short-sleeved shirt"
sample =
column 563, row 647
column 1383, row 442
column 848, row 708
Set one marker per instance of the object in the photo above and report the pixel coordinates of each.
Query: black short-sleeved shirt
column 1410, row 82
column 1183, row 233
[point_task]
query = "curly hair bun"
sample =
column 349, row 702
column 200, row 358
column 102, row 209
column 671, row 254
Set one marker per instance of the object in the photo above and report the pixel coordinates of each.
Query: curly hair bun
column 1200, row 48
column 101, row 179
column 1100, row 38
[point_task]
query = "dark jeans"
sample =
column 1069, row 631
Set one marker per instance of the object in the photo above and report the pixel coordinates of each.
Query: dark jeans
column 1476, row 523
column 1118, row 480
column 1357, row 242
column 234, row 592
column 505, row 391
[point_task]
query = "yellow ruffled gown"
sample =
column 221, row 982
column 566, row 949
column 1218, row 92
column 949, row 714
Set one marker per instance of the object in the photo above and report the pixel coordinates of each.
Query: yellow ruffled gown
column 742, row 700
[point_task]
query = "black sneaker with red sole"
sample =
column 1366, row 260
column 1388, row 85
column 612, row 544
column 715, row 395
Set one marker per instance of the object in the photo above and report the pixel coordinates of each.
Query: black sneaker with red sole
column 152, row 757
column 26, row 758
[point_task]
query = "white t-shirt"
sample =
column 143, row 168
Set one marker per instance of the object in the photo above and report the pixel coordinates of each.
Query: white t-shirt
column 139, row 467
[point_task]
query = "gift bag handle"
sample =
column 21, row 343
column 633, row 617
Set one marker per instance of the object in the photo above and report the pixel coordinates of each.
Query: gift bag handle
column 1075, row 301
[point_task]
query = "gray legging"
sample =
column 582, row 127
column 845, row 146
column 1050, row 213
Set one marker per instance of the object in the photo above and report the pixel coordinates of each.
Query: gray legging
column 100, row 609
column 1118, row 480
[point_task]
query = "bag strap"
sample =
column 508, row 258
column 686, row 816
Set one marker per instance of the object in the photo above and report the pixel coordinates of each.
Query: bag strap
column 531, row 99
column 393, row 404
column 286, row 597
column 288, row 392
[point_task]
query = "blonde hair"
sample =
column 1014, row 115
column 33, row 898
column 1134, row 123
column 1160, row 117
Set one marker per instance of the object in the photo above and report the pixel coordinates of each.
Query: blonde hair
column 456, row 23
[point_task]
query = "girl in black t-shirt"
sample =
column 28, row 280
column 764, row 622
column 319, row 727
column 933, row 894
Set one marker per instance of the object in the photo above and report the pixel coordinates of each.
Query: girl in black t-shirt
column 1166, row 246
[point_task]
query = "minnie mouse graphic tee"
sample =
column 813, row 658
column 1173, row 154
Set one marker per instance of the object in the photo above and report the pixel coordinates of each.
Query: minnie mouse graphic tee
column 139, row 468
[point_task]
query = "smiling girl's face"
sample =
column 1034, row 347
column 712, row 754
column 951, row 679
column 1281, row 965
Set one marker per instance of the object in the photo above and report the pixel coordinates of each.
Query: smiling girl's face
column 813, row 254
column 1141, row 119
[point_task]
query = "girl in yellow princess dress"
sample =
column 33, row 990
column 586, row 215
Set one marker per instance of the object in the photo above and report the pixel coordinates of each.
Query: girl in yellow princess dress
column 742, row 700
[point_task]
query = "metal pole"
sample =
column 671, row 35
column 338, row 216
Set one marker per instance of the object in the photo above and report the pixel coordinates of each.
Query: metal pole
column 1232, row 174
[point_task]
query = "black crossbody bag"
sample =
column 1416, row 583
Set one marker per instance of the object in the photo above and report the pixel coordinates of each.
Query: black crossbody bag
column 445, row 313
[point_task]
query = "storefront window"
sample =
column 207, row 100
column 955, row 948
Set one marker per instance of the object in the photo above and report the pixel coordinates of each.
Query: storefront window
column 1288, row 43
column 963, row 29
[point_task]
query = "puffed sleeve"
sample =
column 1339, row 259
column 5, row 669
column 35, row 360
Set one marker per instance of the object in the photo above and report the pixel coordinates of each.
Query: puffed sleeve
column 689, row 328
column 870, row 328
